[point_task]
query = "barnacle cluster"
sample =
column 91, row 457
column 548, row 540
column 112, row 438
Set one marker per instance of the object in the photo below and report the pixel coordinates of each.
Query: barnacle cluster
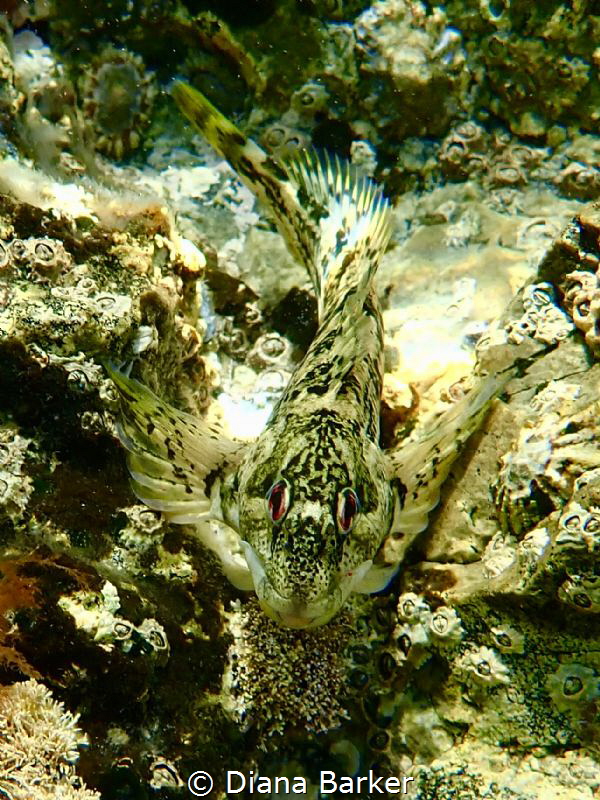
column 39, row 746
column 531, row 63
column 551, row 451
column 503, row 162
column 409, row 57
column 542, row 319
column 464, row 151
column 15, row 485
column 278, row 677
column 582, row 301
column 45, row 256
column 421, row 629
column 579, row 528
column 95, row 613
column 117, row 94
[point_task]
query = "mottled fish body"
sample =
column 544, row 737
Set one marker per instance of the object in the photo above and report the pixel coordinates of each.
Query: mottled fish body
column 313, row 509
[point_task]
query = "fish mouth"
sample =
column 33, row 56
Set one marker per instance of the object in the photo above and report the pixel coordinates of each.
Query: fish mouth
column 290, row 611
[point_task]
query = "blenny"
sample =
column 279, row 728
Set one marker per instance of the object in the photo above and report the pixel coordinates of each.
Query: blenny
column 313, row 509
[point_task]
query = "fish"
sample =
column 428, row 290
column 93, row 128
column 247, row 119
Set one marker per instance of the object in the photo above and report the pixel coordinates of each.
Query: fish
column 313, row 509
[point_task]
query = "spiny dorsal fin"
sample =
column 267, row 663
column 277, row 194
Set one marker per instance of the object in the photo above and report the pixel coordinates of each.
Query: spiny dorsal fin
column 170, row 453
column 353, row 219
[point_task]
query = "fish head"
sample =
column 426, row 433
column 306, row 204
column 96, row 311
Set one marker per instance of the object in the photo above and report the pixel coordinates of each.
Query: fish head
column 311, row 523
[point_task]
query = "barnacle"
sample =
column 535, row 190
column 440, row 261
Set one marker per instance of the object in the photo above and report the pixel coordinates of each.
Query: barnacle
column 144, row 518
column 270, row 350
column 123, row 629
column 164, row 775
column 445, row 626
column 507, row 639
column 272, row 381
column 506, row 174
column 483, row 666
column 116, row 305
column 579, row 180
column 310, row 98
column 118, row 94
column 284, row 141
column 463, row 151
column 542, row 319
column 232, row 340
column 19, row 251
column 572, row 686
column 94, row 612
column 582, row 301
column 154, row 633
column 412, row 608
column 582, row 592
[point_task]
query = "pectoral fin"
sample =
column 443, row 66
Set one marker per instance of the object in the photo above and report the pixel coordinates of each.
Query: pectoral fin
column 173, row 457
column 420, row 466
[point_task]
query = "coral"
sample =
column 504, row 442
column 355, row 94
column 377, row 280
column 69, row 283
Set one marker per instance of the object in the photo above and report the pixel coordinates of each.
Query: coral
column 40, row 742
column 117, row 95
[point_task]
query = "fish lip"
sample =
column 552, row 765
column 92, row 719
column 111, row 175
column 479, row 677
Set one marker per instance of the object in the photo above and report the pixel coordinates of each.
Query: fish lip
column 290, row 612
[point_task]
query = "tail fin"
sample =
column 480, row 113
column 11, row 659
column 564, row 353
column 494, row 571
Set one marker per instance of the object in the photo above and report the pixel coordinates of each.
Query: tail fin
column 262, row 174
column 334, row 222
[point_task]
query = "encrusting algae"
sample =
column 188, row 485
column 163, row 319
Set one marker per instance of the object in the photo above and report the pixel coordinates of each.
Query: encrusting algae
column 302, row 515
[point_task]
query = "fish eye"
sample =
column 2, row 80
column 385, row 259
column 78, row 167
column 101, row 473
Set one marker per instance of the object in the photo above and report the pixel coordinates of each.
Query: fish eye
column 348, row 508
column 278, row 500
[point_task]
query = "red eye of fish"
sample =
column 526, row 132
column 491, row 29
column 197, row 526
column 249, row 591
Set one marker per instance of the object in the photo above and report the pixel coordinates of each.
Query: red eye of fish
column 278, row 498
column 348, row 508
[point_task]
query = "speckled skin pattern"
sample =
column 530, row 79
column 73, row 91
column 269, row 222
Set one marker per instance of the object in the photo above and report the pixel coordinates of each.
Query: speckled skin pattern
column 323, row 435
column 313, row 509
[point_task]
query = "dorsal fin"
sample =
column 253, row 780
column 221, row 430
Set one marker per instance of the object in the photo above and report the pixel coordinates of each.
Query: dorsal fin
column 353, row 219
column 334, row 221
